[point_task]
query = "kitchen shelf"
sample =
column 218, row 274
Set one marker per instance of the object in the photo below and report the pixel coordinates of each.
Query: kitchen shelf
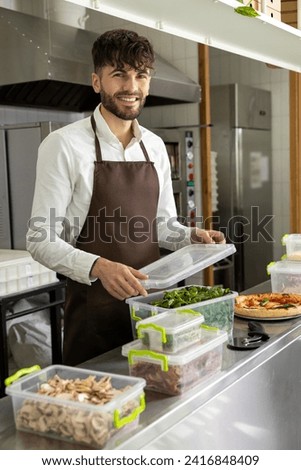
column 56, row 293
column 215, row 23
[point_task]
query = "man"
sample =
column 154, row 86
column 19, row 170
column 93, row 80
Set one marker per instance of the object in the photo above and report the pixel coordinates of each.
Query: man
column 103, row 201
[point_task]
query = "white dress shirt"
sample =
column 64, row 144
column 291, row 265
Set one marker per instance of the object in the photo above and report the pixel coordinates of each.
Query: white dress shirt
column 63, row 190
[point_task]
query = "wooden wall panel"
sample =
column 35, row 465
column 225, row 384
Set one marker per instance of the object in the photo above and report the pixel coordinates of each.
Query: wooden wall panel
column 295, row 152
column 205, row 137
column 289, row 12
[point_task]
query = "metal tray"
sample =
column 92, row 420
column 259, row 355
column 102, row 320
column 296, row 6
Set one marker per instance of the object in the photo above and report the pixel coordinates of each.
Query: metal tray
column 245, row 317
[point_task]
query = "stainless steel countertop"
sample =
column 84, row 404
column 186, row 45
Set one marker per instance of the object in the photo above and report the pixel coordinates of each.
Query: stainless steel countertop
column 163, row 411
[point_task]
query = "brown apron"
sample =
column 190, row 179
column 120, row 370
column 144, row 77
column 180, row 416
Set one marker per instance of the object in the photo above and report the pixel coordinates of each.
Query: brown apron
column 120, row 226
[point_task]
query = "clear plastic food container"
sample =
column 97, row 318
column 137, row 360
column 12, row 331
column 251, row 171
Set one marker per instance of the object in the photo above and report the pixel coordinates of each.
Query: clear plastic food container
column 292, row 243
column 285, row 276
column 95, row 423
column 183, row 263
column 217, row 312
column 18, row 272
column 174, row 374
column 170, row 331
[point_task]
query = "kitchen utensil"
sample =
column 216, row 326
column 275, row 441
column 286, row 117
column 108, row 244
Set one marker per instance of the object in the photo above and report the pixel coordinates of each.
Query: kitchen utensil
column 256, row 337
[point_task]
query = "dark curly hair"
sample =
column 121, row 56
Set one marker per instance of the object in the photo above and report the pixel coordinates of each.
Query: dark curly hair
column 119, row 47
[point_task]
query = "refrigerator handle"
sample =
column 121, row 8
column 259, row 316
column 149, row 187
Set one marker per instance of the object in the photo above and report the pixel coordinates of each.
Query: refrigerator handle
column 239, row 275
column 237, row 211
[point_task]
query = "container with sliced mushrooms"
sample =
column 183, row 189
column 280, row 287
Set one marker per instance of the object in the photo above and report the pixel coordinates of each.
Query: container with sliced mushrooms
column 86, row 407
column 175, row 373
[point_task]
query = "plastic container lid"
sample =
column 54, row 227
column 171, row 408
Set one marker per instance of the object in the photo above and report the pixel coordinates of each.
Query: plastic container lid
column 135, row 350
column 293, row 267
column 170, row 331
column 28, row 386
column 172, row 322
column 291, row 238
column 184, row 263
column 8, row 257
column 292, row 242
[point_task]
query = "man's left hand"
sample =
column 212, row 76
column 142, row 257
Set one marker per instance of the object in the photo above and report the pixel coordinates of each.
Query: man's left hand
column 207, row 236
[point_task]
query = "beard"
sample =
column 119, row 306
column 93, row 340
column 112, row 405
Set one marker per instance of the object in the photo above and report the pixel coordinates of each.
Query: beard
column 110, row 102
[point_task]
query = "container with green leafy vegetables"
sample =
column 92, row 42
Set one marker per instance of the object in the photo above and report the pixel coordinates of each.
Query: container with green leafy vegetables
column 216, row 304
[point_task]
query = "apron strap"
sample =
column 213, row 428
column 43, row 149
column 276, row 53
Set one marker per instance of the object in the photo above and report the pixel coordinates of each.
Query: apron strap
column 97, row 146
column 144, row 151
column 98, row 149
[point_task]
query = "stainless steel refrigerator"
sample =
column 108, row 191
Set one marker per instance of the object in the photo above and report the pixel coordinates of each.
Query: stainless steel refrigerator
column 241, row 136
column 18, row 156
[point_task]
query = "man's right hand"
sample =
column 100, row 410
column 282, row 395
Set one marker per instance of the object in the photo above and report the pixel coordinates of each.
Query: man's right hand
column 119, row 280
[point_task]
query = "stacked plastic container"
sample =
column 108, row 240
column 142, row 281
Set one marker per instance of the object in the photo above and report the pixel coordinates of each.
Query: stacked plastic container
column 286, row 274
column 178, row 348
column 217, row 312
column 175, row 351
column 18, row 272
column 170, row 331
column 166, row 272
column 292, row 242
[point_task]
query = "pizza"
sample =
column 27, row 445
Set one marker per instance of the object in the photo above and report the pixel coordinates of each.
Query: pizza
column 269, row 305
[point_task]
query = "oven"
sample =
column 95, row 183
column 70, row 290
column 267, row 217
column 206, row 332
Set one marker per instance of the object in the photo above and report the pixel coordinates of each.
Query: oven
column 180, row 148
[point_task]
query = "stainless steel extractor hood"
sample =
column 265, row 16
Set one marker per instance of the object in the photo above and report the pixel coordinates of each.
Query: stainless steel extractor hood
column 47, row 63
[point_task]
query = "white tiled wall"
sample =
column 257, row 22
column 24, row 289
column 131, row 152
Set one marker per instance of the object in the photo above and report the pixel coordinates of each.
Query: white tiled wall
column 228, row 68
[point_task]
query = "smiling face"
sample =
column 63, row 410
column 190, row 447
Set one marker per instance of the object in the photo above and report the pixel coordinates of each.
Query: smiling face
column 123, row 90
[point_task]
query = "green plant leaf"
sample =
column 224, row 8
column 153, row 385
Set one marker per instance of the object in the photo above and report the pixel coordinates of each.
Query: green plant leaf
column 246, row 11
